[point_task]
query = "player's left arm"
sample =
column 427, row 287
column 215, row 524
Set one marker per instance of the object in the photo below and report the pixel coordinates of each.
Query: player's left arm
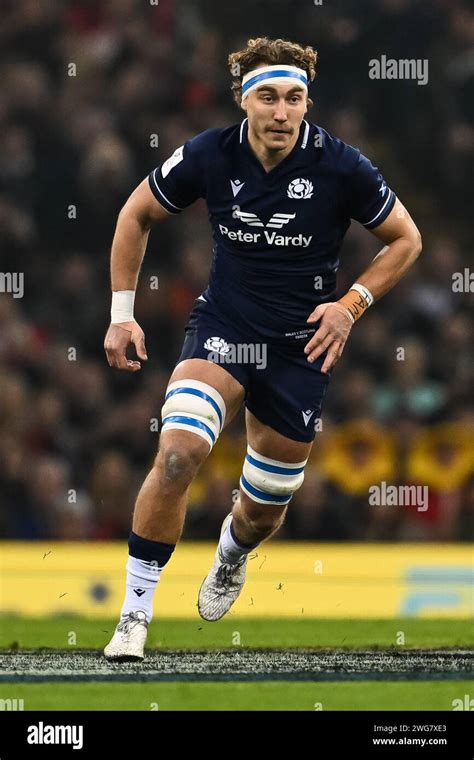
column 402, row 247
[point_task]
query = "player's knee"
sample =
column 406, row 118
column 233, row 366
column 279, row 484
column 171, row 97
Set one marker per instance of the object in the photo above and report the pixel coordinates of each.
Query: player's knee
column 195, row 407
column 178, row 463
column 268, row 481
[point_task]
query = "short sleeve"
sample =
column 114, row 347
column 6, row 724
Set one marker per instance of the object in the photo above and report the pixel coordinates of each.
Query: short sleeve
column 178, row 182
column 368, row 197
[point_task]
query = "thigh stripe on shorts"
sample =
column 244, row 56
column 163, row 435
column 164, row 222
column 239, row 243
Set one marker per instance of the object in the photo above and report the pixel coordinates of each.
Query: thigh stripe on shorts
column 195, row 392
column 190, row 421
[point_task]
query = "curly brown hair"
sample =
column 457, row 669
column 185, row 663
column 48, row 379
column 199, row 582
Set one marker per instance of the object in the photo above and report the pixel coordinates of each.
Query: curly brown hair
column 270, row 52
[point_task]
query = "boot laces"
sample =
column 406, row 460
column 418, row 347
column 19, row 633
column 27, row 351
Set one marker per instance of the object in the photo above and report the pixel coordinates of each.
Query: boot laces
column 131, row 621
column 226, row 571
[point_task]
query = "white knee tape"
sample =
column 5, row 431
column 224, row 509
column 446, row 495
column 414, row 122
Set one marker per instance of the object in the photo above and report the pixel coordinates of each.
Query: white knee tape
column 268, row 481
column 196, row 407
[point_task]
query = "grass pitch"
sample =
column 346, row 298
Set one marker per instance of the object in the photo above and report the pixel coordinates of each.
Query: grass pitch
column 239, row 664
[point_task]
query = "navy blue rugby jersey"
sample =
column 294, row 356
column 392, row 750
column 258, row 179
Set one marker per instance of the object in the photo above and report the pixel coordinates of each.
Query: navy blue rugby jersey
column 277, row 234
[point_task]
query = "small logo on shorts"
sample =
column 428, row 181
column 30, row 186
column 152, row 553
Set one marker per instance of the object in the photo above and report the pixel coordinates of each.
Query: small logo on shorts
column 307, row 416
column 217, row 345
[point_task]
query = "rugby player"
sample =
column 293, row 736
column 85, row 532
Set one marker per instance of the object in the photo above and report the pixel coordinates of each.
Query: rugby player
column 281, row 194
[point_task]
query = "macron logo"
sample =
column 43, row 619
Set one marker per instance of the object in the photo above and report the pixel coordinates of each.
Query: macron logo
column 42, row 734
column 237, row 186
column 307, row 416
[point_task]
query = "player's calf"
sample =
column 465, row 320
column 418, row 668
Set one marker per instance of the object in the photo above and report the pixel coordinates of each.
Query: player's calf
column 254, row 522
column 268, row 483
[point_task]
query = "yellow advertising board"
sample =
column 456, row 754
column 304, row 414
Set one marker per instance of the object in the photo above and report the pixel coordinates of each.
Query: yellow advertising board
column 285, row 579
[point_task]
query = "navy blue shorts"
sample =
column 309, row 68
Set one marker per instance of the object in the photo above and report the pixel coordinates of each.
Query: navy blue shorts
column 282, row 389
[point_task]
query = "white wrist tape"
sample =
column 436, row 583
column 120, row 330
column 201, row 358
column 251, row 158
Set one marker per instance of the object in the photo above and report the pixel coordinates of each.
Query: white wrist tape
column 365, row 292
column 122, row 306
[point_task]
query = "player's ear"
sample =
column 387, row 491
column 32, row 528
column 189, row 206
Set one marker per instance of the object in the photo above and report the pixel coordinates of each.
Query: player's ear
column 243, row 104
column 309, row 104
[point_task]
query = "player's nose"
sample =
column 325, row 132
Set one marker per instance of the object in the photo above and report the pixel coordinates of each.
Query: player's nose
column 280, row 111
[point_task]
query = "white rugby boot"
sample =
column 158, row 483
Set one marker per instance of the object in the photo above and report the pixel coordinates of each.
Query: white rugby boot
column 128, row 642
column 222, row 585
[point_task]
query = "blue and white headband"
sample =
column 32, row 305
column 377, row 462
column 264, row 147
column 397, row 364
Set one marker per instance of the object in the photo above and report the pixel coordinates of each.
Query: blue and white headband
column 279, row 74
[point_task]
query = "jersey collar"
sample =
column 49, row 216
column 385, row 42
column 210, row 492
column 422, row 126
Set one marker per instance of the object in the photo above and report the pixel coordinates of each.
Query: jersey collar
column 298, row 155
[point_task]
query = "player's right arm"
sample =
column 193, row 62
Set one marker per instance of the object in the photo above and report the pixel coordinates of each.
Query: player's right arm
column 134, row 222
column 170, row 188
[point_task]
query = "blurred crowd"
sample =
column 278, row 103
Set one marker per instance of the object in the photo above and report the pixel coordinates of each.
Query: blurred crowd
column 96, row 93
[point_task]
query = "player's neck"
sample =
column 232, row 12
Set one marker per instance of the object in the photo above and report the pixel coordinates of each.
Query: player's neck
column 269, row 158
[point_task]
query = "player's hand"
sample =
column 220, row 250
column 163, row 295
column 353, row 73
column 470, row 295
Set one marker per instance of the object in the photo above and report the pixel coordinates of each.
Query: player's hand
column 118, row 338
column 331, row 335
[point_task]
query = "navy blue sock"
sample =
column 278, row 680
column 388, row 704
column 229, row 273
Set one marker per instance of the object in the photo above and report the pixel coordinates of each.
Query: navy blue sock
column 149, row 551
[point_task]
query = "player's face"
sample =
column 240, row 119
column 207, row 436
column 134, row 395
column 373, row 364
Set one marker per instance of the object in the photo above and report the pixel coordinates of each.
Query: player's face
column 275, row 114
